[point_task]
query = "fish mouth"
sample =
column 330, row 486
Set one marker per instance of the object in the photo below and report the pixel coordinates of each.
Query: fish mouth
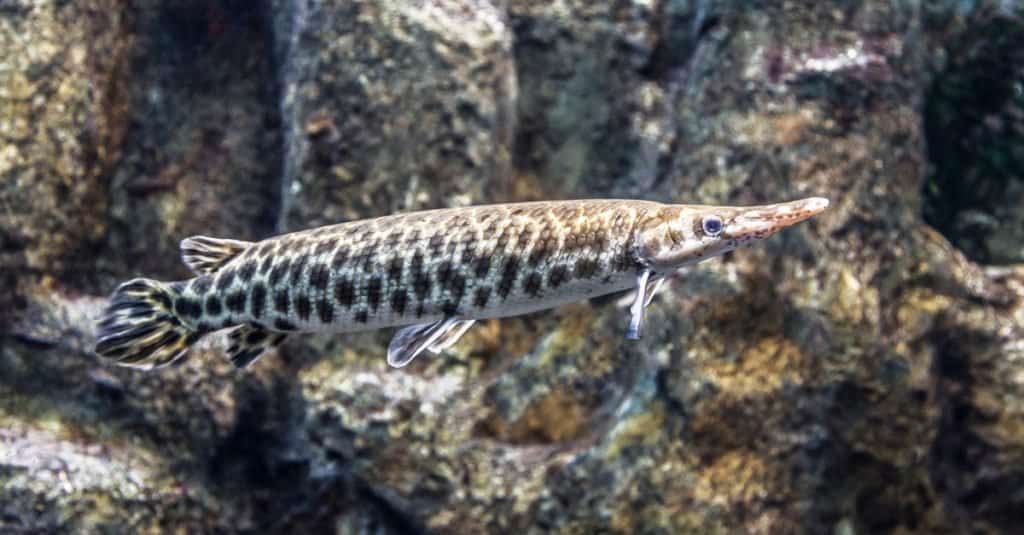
column 758, row 222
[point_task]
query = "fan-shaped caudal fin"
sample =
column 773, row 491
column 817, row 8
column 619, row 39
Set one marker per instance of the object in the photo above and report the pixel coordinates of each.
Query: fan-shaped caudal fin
column 205, row 255
column 140, row 328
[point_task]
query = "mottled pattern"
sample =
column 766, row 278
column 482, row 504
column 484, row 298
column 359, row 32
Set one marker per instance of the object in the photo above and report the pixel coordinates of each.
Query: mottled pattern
column 478, row 262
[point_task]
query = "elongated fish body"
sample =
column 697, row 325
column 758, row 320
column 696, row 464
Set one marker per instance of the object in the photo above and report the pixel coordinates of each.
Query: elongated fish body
column 432, row 273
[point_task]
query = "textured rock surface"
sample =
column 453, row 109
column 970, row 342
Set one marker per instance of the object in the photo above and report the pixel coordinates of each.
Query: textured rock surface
column 63, row 108
column 204, row 156
column 859, row 373
column 975, row 126
column 393, row 105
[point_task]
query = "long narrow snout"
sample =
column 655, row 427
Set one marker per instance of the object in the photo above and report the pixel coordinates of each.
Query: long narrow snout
column 759, row 222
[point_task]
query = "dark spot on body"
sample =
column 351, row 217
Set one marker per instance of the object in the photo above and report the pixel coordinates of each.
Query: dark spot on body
column 361, row 316
column 268, row 262
column 538, row 253
column 483, row 267
column 526, row 234
column 482, row 295
column 369, row 256
column 344, row 292
column 187, row 308
column 319, row 276
column 623, row 261
column 374, row 290
column 395, row 268
column 325, row 246
column 281, row 299
column 277, row 274
column 203, row 327
column 468, row 255
column 247, row 270
column 339, row 259
column 503, row 240
column 265, row 248
column 450, row 309
column 235, row 302
column 325, row 308
column 393, row 239
column 213, row 306
column 225, row 279
column 457, row 287
column 399, row 298
column 201, row 285
column 417, row 262
column 298, row 267
column 533, row 283
column 259, row 299
column 420, row 279
column 509, row 274
column 421, row 286
column 557, row 276
column 586, row 268
column 435, row 243
column 444, row 273
column 302, row 306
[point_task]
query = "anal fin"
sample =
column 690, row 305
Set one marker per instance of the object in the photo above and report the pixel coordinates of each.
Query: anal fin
column 204, row 255
column 452, row 335
column 412, row 340
column 248, row 342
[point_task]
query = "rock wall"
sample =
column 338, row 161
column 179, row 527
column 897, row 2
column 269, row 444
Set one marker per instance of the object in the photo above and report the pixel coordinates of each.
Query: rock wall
column 859, row 373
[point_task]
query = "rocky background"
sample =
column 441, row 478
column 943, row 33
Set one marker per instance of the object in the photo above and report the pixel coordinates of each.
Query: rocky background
column 861, row 373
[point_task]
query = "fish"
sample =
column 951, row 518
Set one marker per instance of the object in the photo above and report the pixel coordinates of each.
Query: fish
column 430, row 274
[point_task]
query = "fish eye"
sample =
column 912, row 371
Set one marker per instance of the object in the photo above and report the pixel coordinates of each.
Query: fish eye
column 712, row 225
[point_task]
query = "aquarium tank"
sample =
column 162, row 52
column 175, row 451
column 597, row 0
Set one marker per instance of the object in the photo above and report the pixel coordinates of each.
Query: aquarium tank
column 512, row 266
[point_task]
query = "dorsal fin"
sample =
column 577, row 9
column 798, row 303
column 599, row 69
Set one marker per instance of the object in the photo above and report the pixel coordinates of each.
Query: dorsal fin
column 204, row 255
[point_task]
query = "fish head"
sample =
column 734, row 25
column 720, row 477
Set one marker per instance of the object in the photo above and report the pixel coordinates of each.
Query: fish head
column 687, row 234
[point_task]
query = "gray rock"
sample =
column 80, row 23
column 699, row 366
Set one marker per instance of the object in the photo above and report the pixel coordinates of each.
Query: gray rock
column 393, row 106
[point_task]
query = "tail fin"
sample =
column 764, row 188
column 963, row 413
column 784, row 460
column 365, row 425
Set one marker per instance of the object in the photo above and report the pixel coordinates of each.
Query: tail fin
column 139, row 327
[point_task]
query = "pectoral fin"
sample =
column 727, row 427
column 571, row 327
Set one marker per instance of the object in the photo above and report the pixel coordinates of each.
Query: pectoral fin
column 248, row 342
column 654, row 285
column 412, row 340
column 636, row 310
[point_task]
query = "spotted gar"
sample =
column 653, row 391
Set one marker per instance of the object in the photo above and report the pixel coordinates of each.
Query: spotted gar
column 430, row 273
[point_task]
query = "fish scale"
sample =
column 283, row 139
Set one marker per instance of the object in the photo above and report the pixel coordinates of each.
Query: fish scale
column 432, row 273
